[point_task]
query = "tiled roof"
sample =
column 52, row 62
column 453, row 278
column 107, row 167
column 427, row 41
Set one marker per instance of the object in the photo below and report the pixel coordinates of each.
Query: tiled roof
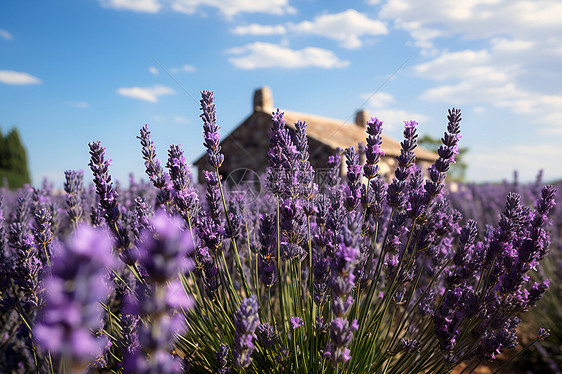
column 331, row 132
column 335, row 133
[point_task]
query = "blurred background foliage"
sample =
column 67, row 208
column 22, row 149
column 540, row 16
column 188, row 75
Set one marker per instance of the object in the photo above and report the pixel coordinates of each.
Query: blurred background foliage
column 457, row 172
column 14, row 172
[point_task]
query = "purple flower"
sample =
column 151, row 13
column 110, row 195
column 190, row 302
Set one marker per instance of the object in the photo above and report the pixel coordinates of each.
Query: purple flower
column 129, row 342
column 209, row 271
column 396, row 191
column 373, row 151
column 466, row 243
column 334, row 166
column 104, row 188
column 266, row 334
column 267, row 250
column 24, row 266
column 75, row 288
column 321, row 278
column 160, row 362
column 74, row 189
column 282, row 157
column 246, row 321
column 353, row 189
column 543, row 333
column 163, row 254
column 341, row 334
column 43, row 235
column 536, row 292
column 184, row 196
column 221, row 356
column 141, row 221
column 157, row 175
column 296, row 322
column 410, row 345
column 304, row 175
column 342, row 283
column 447, row 152
column 213, row 196
column 292, row 225
column 211, row 129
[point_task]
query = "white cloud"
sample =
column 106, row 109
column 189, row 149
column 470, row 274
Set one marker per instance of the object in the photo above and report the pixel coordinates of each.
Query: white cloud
column 150, row 94
column 188, row 68
column 380, row 105
column 497, row 163
column 478, row 18
column 176, row 119
column 6, row 35
column 489, row 77
column 144, row 6
column 255, row 29
column 232, row 7
column 18, row 78
column 345, row 27
column 78, row 104
column 266, row 55
column 379, row 99
column 153, row 70
column 506, row 45
column 423, row 36
column 515, row 67
column 467, row 64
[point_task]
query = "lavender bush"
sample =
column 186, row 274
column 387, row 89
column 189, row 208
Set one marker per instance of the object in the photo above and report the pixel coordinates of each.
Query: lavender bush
column 359, row 275
column 480, row 201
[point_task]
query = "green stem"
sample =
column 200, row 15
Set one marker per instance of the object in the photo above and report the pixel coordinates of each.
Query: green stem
column 232, row 241
column 280, row 275
column 517, row 355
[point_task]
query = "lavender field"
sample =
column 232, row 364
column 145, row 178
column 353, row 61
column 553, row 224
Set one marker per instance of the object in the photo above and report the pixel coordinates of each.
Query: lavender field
column 356, row 274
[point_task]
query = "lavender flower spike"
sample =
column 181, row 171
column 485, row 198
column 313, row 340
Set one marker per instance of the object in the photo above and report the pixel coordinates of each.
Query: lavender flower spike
column 447, row 152
column 76, row 287
column 163, row 255
column 353, row 189
column 104, row 188
column 246, row 321
column 396, row 195
column 74, row 189
column 158, row 177
column 211, row 129
column 341, row 331
column 221, row 355
column 374, row 151
column 267, row 250
column 184, row 195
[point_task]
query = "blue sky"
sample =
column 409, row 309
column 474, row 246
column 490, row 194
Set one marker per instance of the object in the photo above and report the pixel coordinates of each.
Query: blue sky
column 75, row 71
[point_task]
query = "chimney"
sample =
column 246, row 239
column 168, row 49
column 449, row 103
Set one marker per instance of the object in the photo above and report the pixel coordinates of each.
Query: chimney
column 361, row 117
column 263, row 100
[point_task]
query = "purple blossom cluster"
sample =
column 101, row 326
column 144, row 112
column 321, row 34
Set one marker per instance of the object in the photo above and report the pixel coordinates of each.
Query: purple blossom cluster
column 160, row 297
column 360, row 274
column 342, row 284
column 246, row 321
column 211, row 129
column 76, row 286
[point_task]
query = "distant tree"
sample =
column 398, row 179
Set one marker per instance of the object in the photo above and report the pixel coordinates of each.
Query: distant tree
column 457, row 172
column 3, row 153
column 13, row 160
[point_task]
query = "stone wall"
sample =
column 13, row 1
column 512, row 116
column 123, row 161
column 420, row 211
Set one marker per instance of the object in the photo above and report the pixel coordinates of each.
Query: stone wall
column 247, row 146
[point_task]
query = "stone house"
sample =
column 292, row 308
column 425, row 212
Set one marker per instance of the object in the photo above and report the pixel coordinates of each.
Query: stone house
column 246, row 146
